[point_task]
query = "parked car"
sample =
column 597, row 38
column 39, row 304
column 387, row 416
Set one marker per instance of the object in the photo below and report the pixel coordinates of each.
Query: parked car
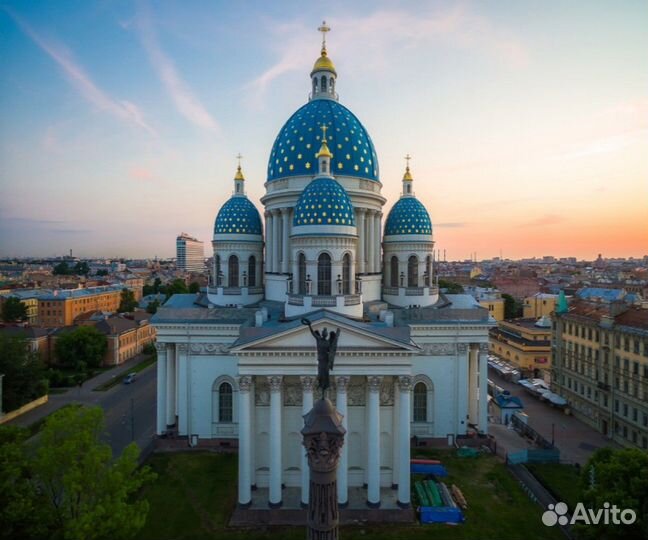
column 129, row 378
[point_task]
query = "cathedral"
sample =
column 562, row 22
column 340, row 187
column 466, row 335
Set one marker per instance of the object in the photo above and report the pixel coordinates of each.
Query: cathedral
column 236, row 366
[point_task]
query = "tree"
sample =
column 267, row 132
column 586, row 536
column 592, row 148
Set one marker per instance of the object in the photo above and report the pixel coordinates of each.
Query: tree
column 617, row 477
column 24, row 373
column 512, row 308
column 177, row 286
column 83, row 346
column 62, row 269
column 451, row 286
column 152, row 307
column 127, row 301
column 102, row 272
column 89, row 495
column 22, row 505
column 13, row 310
column 194, row 287
column 81, row 268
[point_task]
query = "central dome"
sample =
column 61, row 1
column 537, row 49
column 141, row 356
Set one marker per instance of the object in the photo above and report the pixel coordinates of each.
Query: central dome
column 294, row 149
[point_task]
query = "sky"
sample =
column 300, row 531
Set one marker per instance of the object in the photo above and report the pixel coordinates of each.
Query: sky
column 527, row 121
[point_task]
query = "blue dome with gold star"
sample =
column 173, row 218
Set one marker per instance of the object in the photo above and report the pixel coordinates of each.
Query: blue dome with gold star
column 324, row 202
column 408, row 216
column 294, row 149
column 238, row 216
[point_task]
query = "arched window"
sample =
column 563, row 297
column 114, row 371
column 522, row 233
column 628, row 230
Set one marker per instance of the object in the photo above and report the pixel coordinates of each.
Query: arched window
column 225, row 402
column 332, row 84
column 420, row 402
column 393, row 271
column 314, row 85
column 324, row 275
column 323, row 83
column 301, row 274
column 346, row 274
column 217, row 271
column 412, row 271
column 233, row 270
column 428, row 270
column 252, row 271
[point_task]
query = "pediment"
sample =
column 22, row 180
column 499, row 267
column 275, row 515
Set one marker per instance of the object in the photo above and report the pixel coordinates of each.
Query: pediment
column 353, row 337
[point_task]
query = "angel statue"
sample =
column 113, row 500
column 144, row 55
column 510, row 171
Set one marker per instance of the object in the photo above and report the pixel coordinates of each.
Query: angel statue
column 326, row 348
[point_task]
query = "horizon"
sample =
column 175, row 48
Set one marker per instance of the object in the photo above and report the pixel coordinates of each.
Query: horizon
column 527, row 125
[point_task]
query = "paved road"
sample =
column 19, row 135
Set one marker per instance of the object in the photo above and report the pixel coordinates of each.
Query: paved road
column 116, row 403
column 575, row 439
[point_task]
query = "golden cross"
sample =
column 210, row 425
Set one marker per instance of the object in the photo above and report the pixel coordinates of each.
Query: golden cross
column 239, row 157
column 324, row 128
column 407, row 158
column 324, row 29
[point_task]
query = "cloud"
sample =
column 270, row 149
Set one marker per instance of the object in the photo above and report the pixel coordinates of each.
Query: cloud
column 450, row 224
column 183, row 98
column 384, row 36
column 81, row 81
column 544, row 221
column 138, row 172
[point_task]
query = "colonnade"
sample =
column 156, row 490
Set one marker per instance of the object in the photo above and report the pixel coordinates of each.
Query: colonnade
column 401, row 439
column 277, row 241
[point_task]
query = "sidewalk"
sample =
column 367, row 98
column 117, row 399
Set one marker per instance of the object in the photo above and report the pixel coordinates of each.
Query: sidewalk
column 83, row 395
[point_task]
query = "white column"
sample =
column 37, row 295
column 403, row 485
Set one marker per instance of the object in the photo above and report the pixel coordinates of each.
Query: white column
column 276, row 240
column 170, row 387
column 343, row 465
column 307, row 383
column 183, row 389
column 396, row 440
column 274, row 499
column 483, row 387
column 373, row 442
column 161, row 387
column 473, row 397
column 370, row 241
column 405, row 387
column 268, row 241
column 361, row 241
column 245, row 440
column 461, row 386
column 285, row 215
column 378, row 236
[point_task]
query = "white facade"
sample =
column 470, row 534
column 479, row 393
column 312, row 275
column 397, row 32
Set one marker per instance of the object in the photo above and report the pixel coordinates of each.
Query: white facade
column 410, row 362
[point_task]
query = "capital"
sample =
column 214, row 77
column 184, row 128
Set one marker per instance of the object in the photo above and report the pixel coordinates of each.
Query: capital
column 274, row 382
column 160, row 347
column 307, row 382
column 342, row 382
column 182, row 347
column 405, row 383
column 462, row 348
column 483, row 348
column 245, row 383
column 374, row 382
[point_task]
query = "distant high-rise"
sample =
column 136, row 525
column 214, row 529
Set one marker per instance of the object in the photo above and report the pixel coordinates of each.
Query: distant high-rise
column 190, row 254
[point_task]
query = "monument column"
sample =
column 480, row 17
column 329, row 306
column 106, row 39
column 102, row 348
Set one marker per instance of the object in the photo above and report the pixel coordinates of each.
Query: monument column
column 343, row 467
column 404, row 387
column 361, row 241
column 161, row 387
column 307, row 383
column 245, row 443
column 483, row 387
column 285, row 215
column 373, row 442
column 171, row 386
column 274, row 498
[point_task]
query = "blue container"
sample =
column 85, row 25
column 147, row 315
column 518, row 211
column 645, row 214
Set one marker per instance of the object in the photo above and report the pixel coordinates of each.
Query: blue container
column 441, row 514
column 424, row 468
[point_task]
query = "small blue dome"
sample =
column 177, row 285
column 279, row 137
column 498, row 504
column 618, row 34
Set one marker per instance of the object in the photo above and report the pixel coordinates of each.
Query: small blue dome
column 294, row 149
column 324, row 202
column 238, row 216
column 408, row 216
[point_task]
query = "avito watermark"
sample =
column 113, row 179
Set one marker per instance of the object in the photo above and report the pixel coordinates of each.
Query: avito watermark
column 610, row 514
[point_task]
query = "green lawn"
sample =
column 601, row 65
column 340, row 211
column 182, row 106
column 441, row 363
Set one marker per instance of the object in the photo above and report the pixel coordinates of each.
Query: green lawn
column 563, row 481
column 195, row 493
